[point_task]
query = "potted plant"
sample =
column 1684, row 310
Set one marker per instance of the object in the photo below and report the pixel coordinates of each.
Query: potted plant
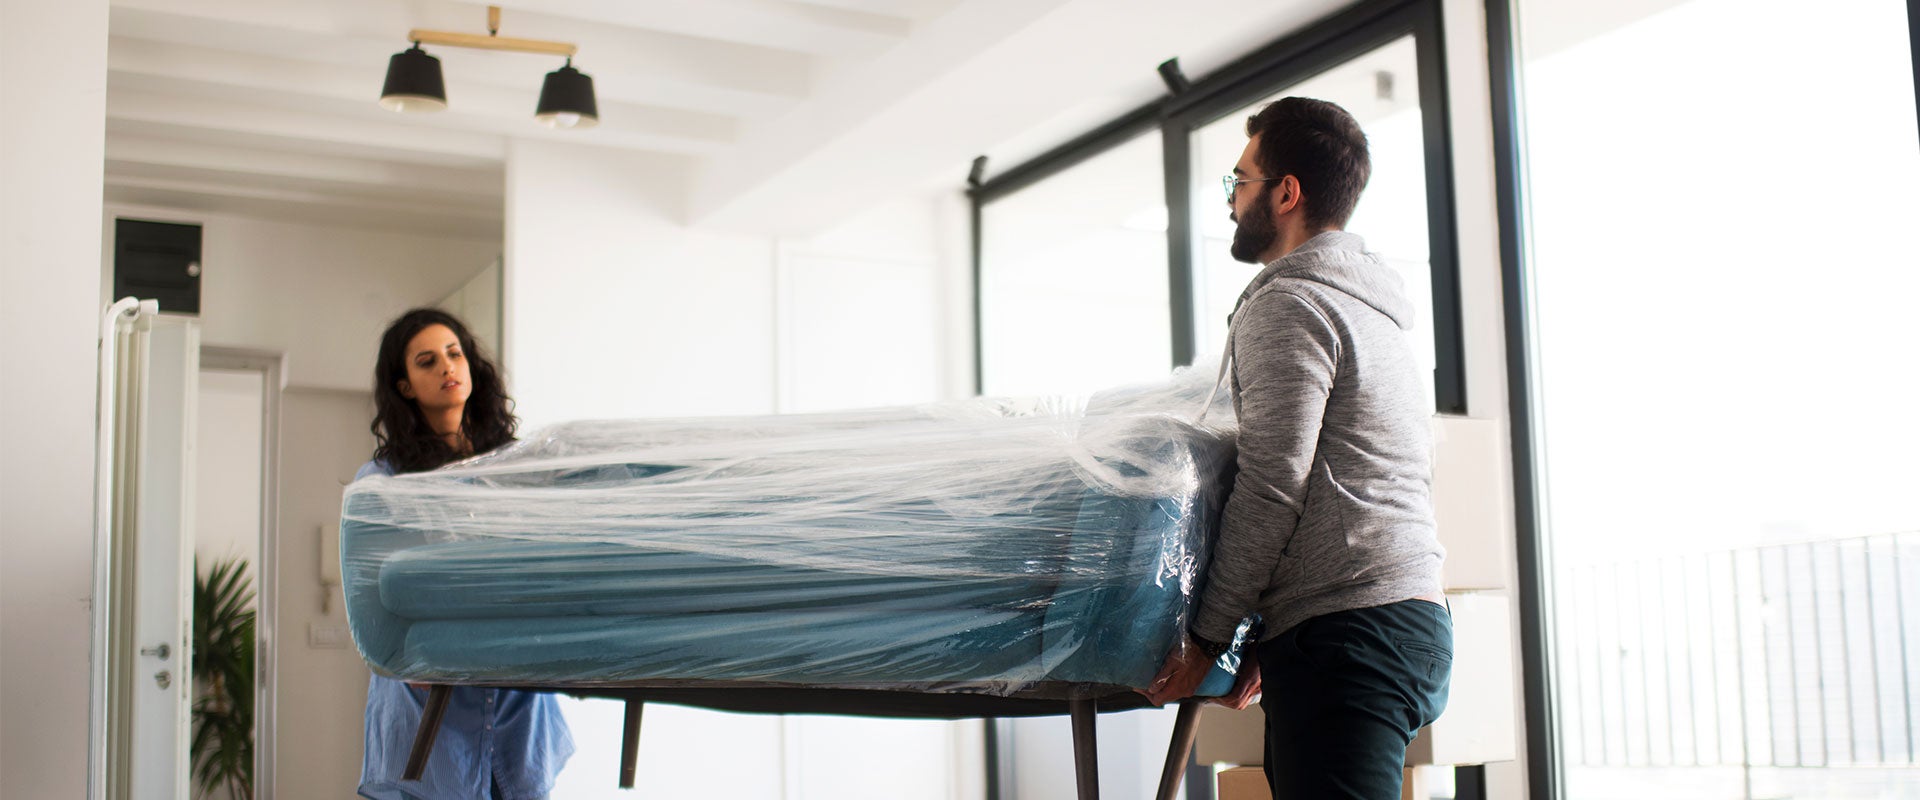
column 223, row 624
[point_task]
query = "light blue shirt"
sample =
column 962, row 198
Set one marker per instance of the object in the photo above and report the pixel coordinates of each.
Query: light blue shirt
column 490, row 739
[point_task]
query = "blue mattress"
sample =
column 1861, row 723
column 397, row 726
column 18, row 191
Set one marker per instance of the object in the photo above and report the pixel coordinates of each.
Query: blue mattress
column 961, row 548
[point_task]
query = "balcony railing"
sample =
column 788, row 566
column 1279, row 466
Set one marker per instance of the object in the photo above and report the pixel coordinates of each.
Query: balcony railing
column 1799, row 655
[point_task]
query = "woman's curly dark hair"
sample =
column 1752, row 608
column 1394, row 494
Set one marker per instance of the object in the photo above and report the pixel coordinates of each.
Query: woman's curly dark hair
column 404, row 439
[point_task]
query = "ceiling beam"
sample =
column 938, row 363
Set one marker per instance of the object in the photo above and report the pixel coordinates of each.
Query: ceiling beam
column 136, row 108
column 915, row 10
column 360, row 196
column 628, row 66
column 299, row 208
column 159, row 157
column 351, row 92
column 776, row 24
column 146, row 127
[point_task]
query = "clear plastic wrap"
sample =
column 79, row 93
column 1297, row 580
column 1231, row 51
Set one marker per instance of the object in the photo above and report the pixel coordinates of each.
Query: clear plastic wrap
column 1009, row 547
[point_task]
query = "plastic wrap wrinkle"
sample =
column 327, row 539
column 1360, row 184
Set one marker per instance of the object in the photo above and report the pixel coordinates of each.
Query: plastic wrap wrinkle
column 985, row 545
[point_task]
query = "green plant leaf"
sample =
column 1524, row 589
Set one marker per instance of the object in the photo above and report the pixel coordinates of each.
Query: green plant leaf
column 223, row 673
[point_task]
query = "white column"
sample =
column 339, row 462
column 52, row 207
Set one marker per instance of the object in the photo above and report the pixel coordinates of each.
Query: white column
column 616, row 309
column 53, row 80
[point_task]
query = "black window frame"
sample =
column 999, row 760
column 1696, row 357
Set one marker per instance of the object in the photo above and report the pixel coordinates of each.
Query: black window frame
column 1335, row 39
column 1540, row 714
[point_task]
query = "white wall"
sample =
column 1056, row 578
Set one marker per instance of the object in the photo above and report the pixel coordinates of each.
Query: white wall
column 1132, row 748
column 322, row 690
column 613, row 309
column 477, row 303
column 860, row 318
column 319, row 294
column 887, row 292
column 53, row 86
column 227, row 468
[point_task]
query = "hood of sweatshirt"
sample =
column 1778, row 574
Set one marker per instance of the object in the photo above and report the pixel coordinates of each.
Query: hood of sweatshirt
column 1340, row 259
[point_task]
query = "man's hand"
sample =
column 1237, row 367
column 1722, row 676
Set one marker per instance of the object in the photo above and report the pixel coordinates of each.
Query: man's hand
column 1185, row 668
column 1246, row 683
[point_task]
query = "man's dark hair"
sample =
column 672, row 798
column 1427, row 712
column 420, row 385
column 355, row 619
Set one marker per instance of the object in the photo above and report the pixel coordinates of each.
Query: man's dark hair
column 1320, row 145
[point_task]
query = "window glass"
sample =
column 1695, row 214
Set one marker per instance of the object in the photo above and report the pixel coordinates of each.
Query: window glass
column 1073, row 277
column 1723, row 255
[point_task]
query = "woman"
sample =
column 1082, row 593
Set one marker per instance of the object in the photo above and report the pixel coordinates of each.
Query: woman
column 438, row 399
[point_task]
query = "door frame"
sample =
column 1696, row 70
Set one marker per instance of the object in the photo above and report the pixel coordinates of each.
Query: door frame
column 266, row 638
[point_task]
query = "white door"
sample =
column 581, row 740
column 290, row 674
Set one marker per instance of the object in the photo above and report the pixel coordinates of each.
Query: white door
column 150, row 612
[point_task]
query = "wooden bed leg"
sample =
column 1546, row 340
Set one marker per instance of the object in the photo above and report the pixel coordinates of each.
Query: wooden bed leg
column 1179, row 748
column 437, row 697
column 630, row 742
column 1086, row 761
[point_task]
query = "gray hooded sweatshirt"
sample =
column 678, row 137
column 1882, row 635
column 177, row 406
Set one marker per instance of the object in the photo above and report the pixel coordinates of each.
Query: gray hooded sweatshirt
column 1331, row 510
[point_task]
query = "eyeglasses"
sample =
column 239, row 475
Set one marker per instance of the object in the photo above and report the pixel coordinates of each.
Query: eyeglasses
column 1231, row 183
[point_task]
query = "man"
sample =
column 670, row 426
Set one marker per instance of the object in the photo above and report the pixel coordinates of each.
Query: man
column 1329, row 532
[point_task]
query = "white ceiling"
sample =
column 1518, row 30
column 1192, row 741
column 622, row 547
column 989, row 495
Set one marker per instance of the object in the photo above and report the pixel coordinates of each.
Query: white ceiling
column 790, row 113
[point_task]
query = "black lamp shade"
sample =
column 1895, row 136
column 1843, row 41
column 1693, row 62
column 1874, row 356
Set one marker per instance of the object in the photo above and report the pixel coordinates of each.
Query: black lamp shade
column 566, row 100
column 414, row 82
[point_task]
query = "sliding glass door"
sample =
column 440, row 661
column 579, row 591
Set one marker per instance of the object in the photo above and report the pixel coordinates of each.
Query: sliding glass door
column 1725, row 272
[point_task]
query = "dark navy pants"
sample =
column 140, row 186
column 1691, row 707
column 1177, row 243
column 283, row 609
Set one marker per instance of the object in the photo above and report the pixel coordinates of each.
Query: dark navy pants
column 1344, row 694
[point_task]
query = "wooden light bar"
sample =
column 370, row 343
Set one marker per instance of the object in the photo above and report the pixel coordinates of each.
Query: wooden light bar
column 492, row 41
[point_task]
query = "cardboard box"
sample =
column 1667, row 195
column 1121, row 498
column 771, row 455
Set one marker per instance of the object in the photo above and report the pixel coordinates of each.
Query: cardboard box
column 1241, row 783
column 1226, row 736
column 1478, row 726
column 1250, row 783
column 1471, row 501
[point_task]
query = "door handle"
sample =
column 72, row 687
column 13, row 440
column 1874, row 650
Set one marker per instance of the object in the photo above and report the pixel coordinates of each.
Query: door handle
column 160, row 652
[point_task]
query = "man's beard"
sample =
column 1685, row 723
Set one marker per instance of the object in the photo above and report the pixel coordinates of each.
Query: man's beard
column 1255, row 231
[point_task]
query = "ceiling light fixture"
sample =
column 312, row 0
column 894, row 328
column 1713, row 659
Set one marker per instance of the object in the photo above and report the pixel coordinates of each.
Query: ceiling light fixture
column 566, row 100
column 414, row 81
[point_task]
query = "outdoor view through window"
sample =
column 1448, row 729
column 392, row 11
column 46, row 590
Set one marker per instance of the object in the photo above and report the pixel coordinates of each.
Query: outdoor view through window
column 1726, row 267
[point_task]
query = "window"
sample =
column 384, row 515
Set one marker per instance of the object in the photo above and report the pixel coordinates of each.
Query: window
column 1720, row 253
column 1073, row 277
column 1106, row 260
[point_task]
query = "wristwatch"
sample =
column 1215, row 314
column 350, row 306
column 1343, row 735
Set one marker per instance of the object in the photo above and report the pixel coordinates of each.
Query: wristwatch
column 1213, row 650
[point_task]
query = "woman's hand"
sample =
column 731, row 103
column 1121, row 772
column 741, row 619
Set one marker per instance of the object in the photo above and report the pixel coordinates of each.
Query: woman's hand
column 1182, row 673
